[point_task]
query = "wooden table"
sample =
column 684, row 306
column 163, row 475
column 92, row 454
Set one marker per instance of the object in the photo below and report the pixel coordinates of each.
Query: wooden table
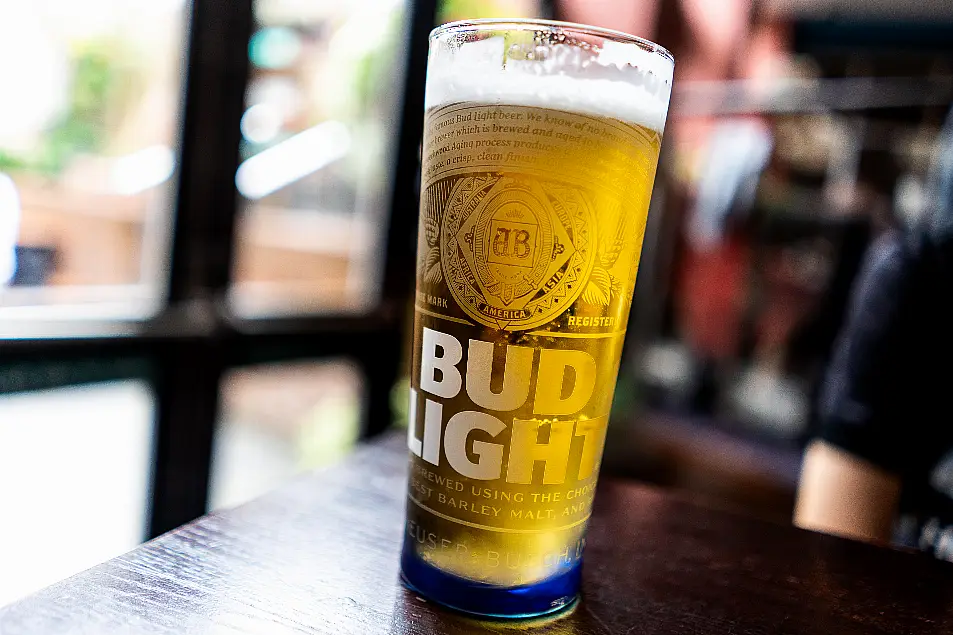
column 320, row 556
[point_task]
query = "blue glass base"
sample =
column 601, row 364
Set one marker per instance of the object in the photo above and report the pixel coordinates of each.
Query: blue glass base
column 533, row 600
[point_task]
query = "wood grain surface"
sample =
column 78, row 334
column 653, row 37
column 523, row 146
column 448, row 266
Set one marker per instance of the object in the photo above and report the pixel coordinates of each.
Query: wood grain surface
column 320, row 555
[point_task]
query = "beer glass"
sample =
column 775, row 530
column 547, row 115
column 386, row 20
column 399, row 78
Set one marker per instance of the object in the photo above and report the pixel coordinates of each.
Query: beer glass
column 540, row 147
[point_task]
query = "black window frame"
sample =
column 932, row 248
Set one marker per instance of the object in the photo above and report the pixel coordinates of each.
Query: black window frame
column 184, row 351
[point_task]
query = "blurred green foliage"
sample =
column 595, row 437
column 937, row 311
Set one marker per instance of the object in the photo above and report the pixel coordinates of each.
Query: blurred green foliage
column 82, row 127
column 372, row 75
column 450, row 10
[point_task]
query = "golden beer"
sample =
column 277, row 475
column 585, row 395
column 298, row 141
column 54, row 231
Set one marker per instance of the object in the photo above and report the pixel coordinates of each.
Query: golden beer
column 531, row 226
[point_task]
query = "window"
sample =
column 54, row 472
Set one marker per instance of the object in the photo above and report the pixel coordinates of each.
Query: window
column 278, row 420
column 76, row 457
column 129, row 138
column 318, row 139
column 318, row 144
column 88, row 151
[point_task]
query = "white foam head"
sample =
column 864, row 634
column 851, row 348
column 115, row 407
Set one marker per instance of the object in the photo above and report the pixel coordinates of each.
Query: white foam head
column 619, row 79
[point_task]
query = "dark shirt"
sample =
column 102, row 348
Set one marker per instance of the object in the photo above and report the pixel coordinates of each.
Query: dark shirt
column 888, row 393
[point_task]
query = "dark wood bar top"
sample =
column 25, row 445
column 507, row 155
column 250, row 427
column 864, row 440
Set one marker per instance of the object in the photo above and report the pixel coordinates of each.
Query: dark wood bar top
column 320, row 555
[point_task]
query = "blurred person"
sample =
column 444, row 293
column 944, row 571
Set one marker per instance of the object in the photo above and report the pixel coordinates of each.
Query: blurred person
column 712, row 281
column 712, row 41
column 737, row 153
column 883, row 448
column 9, row 228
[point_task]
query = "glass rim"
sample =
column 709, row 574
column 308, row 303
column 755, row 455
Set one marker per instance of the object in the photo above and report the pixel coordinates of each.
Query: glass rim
column 525, row 24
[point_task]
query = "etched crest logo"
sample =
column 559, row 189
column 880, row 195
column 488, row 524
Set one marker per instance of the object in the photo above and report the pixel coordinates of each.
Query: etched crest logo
column 515, row 251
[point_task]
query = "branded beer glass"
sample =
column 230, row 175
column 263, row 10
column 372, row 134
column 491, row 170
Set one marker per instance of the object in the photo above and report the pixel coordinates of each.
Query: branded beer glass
column 539, row 155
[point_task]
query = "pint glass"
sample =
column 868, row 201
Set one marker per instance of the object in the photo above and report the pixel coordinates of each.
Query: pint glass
column 540, row 147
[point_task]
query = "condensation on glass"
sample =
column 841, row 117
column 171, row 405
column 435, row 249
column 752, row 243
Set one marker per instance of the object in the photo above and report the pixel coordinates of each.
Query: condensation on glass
column 88, row 126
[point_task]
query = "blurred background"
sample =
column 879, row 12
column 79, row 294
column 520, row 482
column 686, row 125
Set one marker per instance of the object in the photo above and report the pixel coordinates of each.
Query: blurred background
column 207, row 220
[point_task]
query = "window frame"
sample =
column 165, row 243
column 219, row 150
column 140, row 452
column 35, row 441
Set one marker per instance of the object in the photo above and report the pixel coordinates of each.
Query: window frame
column 185, row 349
